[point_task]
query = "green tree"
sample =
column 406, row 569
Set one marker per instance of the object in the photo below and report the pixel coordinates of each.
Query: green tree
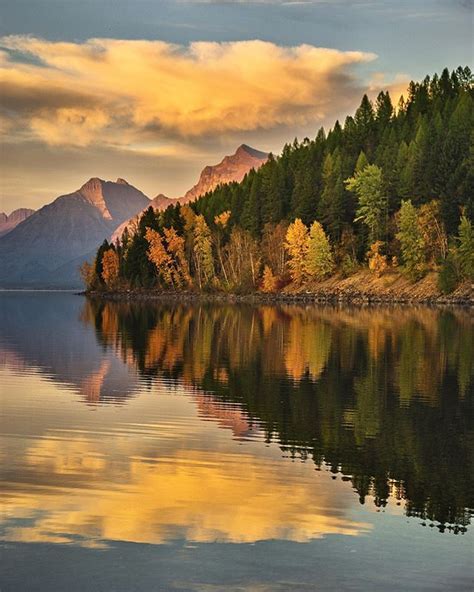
column 466, row 248
column 372, row 201
column 319, row 258
column 411, row 241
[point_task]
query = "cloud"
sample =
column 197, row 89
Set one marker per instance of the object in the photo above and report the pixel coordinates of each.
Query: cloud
column 121, row 91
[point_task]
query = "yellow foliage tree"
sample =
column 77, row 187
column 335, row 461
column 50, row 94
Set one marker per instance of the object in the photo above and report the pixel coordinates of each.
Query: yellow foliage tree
column 110, row 268
column 296, row 244
column 377, row 261
column 269, row 281
column 222, row 219
column 87, row 271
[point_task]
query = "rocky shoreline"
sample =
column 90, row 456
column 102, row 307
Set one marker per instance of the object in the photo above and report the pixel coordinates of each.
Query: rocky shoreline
column 361, row 288
column 322, row 297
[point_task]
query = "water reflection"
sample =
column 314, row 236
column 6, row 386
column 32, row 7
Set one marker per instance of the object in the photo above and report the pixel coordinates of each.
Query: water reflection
column 153, row 423
column 382, row 395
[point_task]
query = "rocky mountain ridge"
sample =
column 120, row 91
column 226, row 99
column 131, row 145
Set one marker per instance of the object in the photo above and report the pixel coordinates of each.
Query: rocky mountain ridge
column 46, row 249
column 9, row 222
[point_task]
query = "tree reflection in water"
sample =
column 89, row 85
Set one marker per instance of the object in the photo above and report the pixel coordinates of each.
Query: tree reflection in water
column 382, row 395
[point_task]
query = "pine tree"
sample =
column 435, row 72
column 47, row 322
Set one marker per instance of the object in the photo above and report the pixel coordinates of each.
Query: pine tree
column 466, row 248
column 251, row 217
column 361, row 163
column 411, row 241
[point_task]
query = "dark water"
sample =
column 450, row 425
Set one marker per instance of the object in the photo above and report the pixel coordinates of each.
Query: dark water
column 215, row 447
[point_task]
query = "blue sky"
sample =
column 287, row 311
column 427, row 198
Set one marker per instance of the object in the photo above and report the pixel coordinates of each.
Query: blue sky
column 409, row 38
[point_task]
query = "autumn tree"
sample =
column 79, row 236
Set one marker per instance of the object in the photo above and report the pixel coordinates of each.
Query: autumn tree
column 221, row 222
column 242, row 260
column 377, row 261
column 319, row 260
column 110, row 267
column 159, row 256
column 88, row 275
column 269, row 280
column 273, row 247
column 367, row 184
column 175, row 245
column 296, row 244
column 202, row 252
column 411, row 240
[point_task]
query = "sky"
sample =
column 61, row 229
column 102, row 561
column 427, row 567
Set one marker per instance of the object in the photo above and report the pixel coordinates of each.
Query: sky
column 154, row 90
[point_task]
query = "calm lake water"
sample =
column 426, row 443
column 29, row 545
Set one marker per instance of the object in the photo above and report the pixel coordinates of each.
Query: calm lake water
column 217, row 447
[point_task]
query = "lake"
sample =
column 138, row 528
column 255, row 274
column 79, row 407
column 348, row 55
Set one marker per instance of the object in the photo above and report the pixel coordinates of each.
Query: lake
column 211, row 447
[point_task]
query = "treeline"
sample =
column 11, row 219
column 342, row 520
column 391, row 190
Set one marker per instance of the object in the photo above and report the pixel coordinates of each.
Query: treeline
column 390, row 188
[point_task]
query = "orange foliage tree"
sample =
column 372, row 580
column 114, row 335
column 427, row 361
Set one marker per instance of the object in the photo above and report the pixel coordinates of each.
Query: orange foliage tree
column 110, row 268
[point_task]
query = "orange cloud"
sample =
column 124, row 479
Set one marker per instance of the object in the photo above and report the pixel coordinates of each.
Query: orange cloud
column 79, row 93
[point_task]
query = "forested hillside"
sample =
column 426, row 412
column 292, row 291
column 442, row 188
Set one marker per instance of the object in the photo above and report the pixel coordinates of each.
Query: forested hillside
column 391, row 188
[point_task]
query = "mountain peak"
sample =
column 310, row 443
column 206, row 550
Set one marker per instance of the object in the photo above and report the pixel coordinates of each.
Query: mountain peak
column 248, row 150
column 92, row 191
column 231, row 168
column 121, row 181
column 8, row 223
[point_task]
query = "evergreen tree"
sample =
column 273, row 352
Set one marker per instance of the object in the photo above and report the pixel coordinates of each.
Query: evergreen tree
column 466, row 248
column 411, row 241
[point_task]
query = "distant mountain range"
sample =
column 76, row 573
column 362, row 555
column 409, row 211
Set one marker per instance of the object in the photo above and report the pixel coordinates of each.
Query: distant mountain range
column 8, row 223
column 44, row 249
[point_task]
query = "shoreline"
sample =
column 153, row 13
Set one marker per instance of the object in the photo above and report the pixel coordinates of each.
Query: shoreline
column 276, row 298
column 361, row 288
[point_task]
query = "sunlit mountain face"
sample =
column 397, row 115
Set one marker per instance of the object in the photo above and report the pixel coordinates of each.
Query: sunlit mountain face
column 327, row 428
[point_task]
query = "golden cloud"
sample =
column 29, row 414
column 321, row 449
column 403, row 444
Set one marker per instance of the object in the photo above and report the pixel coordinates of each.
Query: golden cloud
column 79, row 93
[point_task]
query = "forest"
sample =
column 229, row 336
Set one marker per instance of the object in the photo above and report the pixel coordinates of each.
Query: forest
column 390, row 189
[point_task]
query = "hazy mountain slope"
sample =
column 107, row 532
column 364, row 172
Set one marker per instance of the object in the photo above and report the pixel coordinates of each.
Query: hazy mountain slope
column 8, row 223
column 63, row 231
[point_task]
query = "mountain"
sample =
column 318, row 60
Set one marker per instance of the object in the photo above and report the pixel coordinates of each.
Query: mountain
column 46, row 249
column 8, row 223
column 231, row 168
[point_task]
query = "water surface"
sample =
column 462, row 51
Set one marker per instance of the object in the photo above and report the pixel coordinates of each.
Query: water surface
column 216, row 447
